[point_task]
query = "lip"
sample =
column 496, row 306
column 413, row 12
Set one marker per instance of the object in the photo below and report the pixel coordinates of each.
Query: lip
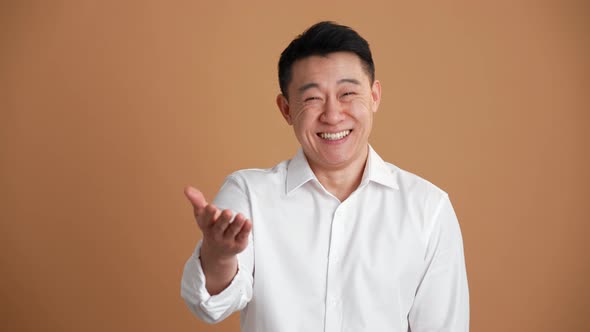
column 337, row 141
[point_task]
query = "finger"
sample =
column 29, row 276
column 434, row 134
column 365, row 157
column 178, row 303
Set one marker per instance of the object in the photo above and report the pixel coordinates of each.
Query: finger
column 234, row 228
column 217, row 214
column 196, row 198
column 245, row 231
column 206, row 220
column 222, row 222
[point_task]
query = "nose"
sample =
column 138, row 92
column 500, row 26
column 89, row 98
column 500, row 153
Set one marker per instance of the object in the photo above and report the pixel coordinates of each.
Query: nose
column 333, row 111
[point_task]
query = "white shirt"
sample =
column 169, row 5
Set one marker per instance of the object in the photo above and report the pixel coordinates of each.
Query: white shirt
column 388, row 258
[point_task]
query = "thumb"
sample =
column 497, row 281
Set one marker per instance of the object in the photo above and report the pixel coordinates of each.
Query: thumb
column 195, row 197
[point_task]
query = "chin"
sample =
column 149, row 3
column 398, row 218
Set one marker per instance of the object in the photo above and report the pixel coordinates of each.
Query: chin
column 336, row 160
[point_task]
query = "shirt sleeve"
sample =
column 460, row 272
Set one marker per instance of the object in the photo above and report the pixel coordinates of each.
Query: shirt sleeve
column 442, row 298
column 215, row 308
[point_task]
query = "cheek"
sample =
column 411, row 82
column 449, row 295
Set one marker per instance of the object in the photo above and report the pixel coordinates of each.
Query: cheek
column 304, row 120
column 360, row 109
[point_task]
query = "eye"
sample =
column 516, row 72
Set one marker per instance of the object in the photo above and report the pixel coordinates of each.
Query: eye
column 348, row 93
column 311, row 98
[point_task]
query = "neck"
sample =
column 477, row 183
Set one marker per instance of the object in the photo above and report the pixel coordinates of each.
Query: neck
column 344, row 180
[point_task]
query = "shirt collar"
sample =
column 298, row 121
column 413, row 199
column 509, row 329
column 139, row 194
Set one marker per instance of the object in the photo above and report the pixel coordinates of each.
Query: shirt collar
column 376, row 170
column 379, row 171
column 298, row 171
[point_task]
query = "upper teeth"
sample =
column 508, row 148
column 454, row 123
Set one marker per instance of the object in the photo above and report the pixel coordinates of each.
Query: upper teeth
column 335, row 136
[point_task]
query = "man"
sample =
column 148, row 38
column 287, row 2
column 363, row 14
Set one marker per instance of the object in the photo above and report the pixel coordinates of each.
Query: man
column 334, row 239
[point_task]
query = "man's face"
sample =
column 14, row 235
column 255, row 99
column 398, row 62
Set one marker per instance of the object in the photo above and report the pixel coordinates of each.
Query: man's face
column 331, row 105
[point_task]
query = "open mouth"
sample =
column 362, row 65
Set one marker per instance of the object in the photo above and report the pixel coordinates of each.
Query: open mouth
column 335, row 136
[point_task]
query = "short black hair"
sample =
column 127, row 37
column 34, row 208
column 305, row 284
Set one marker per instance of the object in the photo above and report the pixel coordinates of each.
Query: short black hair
column 322, row 39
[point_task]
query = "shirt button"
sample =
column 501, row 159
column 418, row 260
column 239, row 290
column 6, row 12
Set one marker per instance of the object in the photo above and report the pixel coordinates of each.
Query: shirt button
column 337, row 259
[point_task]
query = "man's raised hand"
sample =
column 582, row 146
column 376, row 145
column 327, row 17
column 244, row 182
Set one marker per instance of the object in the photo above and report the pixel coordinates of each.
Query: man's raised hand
column 222, row 236
column 223, row 239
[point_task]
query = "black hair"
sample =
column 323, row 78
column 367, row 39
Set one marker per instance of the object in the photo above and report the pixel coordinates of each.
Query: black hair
column 322, row 39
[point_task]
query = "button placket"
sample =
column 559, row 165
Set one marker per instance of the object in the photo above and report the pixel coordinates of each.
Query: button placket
column 333, row 296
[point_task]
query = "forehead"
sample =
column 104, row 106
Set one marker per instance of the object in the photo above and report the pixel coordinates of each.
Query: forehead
column 326, row 68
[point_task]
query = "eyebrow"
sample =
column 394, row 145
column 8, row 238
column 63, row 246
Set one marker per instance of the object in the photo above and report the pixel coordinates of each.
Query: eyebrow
column 349, row 80
column 308, row 86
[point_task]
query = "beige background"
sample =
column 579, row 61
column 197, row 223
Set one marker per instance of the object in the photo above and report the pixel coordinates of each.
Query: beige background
column 108, row 109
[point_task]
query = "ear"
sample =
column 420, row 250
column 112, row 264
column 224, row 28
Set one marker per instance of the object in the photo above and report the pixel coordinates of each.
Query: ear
column 376, row 94
column 283, row 105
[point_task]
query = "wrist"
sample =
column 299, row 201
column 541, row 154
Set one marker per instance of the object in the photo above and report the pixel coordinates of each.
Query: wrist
column 213, row 256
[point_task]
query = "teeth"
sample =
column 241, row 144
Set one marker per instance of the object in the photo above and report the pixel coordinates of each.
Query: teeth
column 335, row 136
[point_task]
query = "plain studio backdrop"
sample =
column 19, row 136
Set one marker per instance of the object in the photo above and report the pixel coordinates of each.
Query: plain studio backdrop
column 109, row 108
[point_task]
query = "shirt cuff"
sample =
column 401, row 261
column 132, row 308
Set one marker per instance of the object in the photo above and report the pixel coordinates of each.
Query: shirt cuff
column 216, row 305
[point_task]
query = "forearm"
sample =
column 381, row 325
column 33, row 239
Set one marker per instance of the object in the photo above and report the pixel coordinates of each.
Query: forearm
column 214, row 287
column 215, row 308
column 219, row 271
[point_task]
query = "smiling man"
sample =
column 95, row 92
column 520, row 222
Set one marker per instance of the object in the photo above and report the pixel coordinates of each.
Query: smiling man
column 335, row 239
column 330, row 102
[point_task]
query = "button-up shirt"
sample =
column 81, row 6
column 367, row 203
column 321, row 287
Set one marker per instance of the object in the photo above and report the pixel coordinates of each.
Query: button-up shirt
column 388, row 258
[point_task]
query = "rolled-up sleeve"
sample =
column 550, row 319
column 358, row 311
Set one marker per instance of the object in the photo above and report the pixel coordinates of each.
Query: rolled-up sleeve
column 214, row 308
column 235, row 297
column 442, row 298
